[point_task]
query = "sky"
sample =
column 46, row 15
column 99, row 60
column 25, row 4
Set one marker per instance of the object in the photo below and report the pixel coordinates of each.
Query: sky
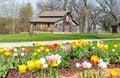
column 33, row 2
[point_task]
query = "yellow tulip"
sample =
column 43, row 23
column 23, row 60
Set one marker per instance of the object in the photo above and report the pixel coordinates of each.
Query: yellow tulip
column 105, row 47
column 41, row 48
column 1, row 50
column 115, row 46
column 113, row 73
column 35, row 54
column 31, row 65
column 47, row 50
column 22, row 68
column 53, row 64
column 38, row 50
column 61, row 46
column 37, row 64
column 7, row 54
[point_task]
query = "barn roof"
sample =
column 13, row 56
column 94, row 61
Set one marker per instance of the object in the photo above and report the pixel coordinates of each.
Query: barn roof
column 46, row 20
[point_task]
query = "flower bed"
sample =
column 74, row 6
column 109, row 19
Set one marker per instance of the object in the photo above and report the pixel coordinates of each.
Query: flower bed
column 55, row 60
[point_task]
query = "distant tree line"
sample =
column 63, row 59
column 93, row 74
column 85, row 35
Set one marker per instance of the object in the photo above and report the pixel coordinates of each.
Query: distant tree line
column 14, row 17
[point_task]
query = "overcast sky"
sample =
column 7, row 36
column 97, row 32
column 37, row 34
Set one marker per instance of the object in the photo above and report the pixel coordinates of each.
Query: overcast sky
column 33, row 2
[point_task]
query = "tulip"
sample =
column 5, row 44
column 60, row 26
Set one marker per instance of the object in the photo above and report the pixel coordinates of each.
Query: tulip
column 102, row 64
column 7, row 54
column 22, row 68
column 54, row 60
column 77, row 65
column 15, row 54
column 113, row 73
column 35, row 54
column 45, row 66
column 113, row 50
column 1, row 50
column 22, row 54
column 30, row 65
column 115, row 46
column 86, row 64
column 37, row 64
column 94, row 59
column 47, row 50
column 42, row 60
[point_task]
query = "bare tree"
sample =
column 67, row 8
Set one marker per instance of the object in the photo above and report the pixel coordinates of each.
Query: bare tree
column 10, row 9
column 111, row 12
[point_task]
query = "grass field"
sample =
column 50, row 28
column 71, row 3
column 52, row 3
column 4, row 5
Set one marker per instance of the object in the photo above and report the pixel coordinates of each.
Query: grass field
column 49, row 36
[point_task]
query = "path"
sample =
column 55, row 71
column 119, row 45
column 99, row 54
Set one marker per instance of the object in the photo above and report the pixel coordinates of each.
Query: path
column 18, row 44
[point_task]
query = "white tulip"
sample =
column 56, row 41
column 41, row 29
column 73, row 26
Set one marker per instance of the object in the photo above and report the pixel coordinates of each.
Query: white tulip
column 102, row 65
column 113, row 50
column 42, row 60
column 77, row 65
column 15, row 54
column 15, row 49
column 22, row 54
column 88, row 65
column 23, row 48
column 58, row 61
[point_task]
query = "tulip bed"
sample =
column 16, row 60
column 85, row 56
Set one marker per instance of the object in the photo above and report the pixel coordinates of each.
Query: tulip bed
column 48, row 60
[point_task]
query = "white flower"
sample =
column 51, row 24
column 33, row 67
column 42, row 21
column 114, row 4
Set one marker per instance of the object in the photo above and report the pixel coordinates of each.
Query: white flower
column 100, row 61
column 94, row 48
column 58, row 56
column 58, row 61
column 102, row 65
column 15, row 54
column 6, row 49
column 45, row 66
column 88, row 65
column 77, row 65
column 42, row 60
column 15, row 49
column 113, row 50
column 23, row 48
column 22, row 54
column 91, row 44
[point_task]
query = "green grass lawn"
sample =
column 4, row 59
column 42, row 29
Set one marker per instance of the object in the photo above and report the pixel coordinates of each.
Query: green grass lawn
column 49, row 36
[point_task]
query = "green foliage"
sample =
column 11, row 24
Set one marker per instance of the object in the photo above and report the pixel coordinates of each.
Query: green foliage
column 78, row 53
column 89, row 74
column 49, row 36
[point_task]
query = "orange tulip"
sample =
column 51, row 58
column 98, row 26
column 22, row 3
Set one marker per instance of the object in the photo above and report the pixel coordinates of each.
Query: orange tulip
column 7, row 54
column 94, row 59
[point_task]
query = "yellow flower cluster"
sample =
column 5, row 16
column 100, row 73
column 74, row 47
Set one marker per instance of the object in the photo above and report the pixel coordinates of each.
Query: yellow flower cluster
column 1, row 50
column 42, row 49
column 61, row 46
column 115, row 46
column 80, row 44
column 102, row 47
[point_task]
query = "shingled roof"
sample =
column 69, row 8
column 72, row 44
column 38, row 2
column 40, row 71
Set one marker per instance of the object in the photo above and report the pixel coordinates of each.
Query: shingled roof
column 50, row 16
column 46, row 20
column 54, row 13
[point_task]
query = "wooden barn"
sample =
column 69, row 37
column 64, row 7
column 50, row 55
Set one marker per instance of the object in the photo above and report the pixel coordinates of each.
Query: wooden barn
column 54, row 21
